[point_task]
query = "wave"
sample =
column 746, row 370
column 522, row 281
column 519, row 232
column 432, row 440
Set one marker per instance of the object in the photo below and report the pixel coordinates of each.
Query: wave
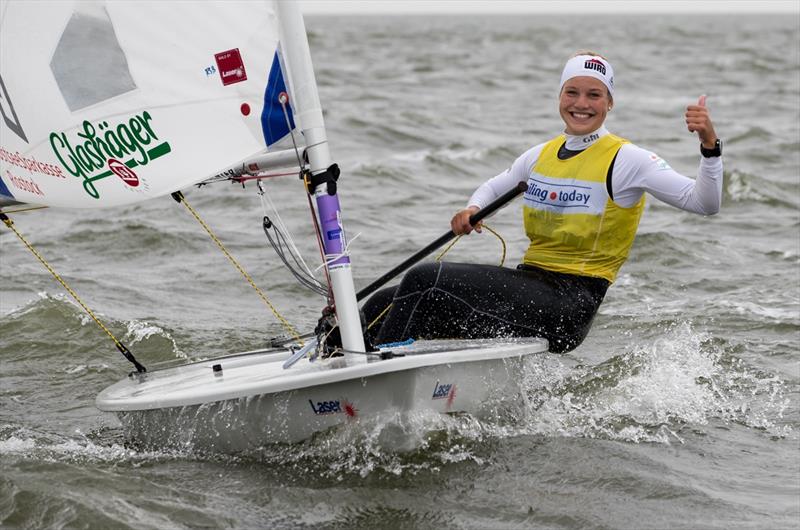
column 118, row 238
column 31, row 331
column 739, row 186
column 679, row 383
column 49, row 447
column 396, row 134
column 662, row 392
column 752, row 133
column 790, row 256
column 666, row 249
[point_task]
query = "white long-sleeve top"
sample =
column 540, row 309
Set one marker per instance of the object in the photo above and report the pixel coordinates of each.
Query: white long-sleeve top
column 635, row 172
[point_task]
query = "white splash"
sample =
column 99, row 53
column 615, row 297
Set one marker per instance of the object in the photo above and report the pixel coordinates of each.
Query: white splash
column 647, row 396
column 741, row 189
column 138, row 331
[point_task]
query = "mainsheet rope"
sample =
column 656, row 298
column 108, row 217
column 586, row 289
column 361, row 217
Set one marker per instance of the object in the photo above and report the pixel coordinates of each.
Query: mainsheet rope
column 439, row 258
column 120, row 346
column 487, row 227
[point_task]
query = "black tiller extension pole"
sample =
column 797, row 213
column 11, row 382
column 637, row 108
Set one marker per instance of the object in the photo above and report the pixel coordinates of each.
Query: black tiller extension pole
column 444, row 238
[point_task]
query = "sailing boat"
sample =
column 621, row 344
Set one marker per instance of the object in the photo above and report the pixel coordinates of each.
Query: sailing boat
column 138, row 100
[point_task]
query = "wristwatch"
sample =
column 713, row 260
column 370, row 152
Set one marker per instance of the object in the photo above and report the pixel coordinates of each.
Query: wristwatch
column 716, row 151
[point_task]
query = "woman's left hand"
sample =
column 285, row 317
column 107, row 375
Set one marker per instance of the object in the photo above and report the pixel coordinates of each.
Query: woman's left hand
column 698, row 120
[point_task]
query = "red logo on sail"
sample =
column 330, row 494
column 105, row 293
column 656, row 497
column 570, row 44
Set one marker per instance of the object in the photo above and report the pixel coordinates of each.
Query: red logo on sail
column 231, row 67
column 124, row 172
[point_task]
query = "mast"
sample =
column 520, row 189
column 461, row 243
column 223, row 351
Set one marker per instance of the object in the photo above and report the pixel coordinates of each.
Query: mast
column 309, row 113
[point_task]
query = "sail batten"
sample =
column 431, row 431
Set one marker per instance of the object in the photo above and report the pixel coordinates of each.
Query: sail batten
column 108, row 103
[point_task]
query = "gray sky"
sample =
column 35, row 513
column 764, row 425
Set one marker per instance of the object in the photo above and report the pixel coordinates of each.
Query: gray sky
column 356, row 7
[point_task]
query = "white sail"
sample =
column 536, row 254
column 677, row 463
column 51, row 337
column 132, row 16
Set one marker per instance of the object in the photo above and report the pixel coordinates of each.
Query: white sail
column 113, row 102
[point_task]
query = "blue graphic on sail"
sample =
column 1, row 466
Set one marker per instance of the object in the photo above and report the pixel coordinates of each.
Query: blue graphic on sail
column 4, row 189
column 273, row 120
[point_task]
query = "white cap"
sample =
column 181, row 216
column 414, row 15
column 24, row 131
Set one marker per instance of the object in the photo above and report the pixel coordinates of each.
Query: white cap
column 590, row 66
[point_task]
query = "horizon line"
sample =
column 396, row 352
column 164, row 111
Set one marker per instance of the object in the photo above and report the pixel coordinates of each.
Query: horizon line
column 547, row 7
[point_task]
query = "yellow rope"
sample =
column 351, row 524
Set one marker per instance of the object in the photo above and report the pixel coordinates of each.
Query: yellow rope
column 447, row 248
column 502, row 242
column 9, row 223
column 439, row 257
column 388, row 307
column 179, row 196
column 28, row 209
column 487, row 227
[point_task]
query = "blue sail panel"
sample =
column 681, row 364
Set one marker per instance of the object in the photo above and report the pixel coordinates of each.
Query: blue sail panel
column 273, row 120
column 4, row 189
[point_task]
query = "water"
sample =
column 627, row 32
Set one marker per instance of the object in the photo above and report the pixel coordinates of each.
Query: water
column 680, row 410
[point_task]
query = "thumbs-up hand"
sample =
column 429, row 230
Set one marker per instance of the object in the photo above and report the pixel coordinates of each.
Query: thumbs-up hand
column 698, row 120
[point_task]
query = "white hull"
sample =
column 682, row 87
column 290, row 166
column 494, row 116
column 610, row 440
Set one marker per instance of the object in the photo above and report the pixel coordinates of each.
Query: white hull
column 253, row 401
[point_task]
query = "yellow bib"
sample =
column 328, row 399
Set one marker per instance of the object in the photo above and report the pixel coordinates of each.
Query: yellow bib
column 573, row 224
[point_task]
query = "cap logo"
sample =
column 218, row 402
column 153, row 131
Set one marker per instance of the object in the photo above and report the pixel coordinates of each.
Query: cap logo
column 595, row 64
column 591, row 66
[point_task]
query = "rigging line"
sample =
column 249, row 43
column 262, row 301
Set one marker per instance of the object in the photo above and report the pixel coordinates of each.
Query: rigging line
column 120, row 346
column 377, row 318
column 345, row 252
column 447, row 248
column 322, row 340
column 282, row 225
column 484, row 225
column 310, row 283
column 281, row 247
column 284, row 249
column 502, row 242
column 30, row 209
column 283, row 99
column 178, row 196
column 259, row 176
column 309, row 146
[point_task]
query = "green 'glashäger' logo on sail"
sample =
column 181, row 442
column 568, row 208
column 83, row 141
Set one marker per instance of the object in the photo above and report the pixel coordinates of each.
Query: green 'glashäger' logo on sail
column 102, row 149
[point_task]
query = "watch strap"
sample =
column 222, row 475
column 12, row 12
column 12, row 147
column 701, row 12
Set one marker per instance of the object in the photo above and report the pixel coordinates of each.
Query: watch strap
column 715, row 151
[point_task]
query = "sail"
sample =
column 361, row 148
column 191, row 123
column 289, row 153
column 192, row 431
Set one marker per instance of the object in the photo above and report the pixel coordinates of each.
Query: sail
column 108, row 103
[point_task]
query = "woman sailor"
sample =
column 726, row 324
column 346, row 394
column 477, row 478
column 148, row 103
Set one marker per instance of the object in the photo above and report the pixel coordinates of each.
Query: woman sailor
column 585, row 196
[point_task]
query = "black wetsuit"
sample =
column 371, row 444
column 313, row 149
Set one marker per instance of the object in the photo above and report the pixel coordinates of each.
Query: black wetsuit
column 463, row 300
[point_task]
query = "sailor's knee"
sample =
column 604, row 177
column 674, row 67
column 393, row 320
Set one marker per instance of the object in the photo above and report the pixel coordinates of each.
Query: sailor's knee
column 420, row 277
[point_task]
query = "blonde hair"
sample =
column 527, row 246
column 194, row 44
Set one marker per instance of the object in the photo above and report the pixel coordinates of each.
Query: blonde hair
column 588, row 52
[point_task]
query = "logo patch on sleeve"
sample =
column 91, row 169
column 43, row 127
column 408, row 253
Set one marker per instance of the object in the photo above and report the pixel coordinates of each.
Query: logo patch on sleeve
column 660, row 163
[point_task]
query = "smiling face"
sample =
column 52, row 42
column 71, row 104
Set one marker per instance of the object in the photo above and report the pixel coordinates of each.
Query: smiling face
column 583, row 105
